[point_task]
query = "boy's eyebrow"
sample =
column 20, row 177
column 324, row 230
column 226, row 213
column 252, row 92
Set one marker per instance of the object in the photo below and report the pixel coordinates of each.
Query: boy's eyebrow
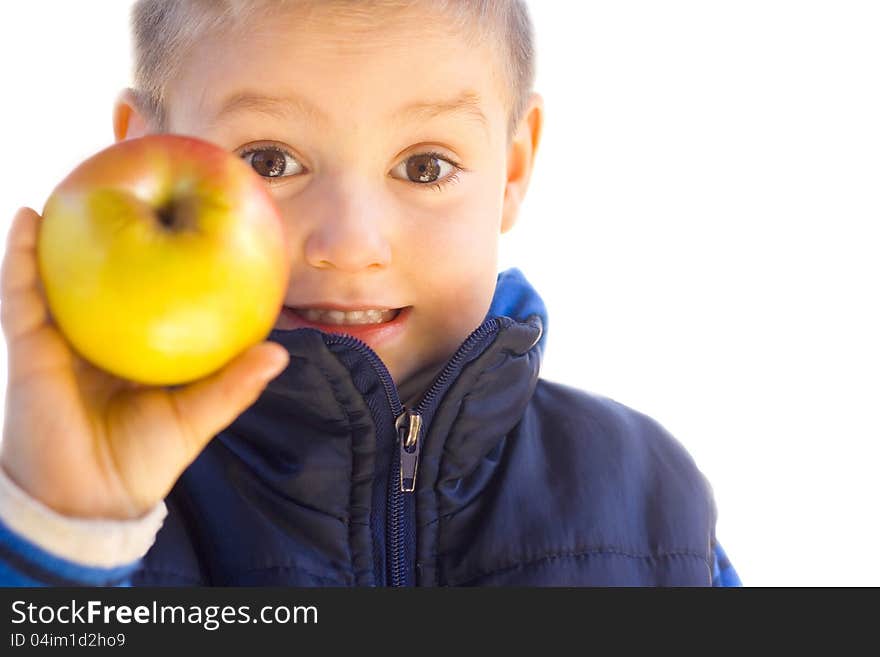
column 465, row 104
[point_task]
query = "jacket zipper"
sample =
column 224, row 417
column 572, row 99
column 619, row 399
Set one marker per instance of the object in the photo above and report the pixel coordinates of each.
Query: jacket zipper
column 410, row 429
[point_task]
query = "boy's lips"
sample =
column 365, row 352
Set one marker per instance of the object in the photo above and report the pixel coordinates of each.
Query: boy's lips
column 374, row 334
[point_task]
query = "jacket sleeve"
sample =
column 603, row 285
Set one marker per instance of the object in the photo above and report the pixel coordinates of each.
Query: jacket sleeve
column 39, row 547
column 723, row 573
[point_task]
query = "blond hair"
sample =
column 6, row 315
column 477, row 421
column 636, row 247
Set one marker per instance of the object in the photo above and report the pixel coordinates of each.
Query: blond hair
column 163, row 31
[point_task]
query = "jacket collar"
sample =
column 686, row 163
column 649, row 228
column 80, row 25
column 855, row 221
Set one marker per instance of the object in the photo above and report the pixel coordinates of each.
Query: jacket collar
column 331, row 413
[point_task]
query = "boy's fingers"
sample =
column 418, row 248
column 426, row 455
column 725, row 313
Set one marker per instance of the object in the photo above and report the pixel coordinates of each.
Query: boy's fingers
column 206, row 407
column 23, row 307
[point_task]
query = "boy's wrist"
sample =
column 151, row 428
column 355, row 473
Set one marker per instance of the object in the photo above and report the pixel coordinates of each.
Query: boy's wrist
column 68, row 506
column 97, row 542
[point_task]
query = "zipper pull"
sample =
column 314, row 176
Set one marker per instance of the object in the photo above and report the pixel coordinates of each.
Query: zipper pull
column 409, row 433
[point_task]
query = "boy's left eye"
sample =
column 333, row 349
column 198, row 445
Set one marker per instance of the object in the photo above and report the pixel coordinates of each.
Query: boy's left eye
column 426, row 169
column 423, row 169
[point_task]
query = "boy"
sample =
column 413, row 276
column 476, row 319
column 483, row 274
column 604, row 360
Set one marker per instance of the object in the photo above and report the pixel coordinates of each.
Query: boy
column 398, row 139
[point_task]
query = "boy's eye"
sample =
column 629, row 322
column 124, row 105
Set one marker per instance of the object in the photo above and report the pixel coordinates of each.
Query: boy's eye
column 271, row 162
column 424, row 170
column 425, row 167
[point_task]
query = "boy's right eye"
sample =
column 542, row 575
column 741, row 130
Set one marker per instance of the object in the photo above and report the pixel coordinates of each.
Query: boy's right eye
column 271, row 162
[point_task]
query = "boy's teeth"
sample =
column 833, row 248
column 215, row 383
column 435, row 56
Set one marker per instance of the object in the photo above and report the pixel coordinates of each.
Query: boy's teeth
column 339, row 317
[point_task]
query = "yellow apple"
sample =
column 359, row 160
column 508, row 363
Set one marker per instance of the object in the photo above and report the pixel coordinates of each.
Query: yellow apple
column 162, row 258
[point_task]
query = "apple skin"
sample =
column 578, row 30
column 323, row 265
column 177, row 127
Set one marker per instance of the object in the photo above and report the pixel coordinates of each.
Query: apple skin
column 162, row 258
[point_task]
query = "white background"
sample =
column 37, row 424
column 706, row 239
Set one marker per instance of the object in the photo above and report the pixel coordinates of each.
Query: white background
column 701, row 224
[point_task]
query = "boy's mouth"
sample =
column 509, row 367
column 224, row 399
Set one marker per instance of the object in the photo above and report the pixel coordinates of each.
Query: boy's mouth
column 333, row 317
column 374, row 326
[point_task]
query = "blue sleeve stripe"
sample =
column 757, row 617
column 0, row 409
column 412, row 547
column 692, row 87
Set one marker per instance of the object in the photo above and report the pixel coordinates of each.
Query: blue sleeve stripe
column 23, row 563
column 723, row 572
column 11, row 577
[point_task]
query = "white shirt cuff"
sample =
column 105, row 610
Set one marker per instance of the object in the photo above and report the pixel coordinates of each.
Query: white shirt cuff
column 98, row 543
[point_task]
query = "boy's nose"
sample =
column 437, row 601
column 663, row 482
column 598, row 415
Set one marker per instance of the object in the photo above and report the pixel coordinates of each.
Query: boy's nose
column 348, row 236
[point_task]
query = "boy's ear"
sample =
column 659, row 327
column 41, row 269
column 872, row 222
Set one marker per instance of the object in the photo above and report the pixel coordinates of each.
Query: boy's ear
column 521, row 159
column 129, row 121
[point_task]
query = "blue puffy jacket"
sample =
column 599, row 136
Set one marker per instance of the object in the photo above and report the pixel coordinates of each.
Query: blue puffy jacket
column 495, row 477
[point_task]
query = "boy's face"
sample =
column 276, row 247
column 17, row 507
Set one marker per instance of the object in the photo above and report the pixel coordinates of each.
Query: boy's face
column 354, row 152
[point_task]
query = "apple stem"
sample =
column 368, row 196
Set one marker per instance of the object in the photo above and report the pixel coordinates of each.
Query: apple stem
column 166, row 215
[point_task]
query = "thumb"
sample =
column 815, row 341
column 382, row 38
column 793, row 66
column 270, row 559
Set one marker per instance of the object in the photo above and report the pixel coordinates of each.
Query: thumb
column 211, row 404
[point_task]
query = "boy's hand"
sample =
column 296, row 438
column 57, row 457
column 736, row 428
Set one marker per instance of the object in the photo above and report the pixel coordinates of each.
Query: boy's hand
column 84, row 442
